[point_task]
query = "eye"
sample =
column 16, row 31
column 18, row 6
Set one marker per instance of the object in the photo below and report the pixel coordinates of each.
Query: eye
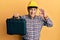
column 30, row 8
column 34, row 9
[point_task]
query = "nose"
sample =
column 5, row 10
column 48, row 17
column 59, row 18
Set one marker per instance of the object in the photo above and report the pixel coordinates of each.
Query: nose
column 33, row 11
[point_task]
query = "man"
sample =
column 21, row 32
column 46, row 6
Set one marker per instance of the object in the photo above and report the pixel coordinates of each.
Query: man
column 34, row 23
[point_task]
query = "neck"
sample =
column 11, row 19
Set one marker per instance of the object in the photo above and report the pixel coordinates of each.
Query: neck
column 31, row 17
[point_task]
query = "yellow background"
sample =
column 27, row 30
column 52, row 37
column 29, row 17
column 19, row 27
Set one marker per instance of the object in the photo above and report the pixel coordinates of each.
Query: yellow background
column 51, row 7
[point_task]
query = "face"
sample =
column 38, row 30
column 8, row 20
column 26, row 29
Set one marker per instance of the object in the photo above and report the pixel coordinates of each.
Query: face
column 32, row 12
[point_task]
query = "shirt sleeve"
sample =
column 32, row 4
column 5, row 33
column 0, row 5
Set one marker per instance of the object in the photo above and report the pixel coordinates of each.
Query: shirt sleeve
column 23, row 17
column 47, row 22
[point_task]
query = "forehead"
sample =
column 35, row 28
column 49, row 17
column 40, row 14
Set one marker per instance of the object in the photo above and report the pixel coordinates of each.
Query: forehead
column 33, row 8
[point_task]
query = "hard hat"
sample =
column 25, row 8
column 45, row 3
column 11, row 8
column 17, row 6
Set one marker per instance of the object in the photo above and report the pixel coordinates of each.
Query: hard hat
column 32, row 4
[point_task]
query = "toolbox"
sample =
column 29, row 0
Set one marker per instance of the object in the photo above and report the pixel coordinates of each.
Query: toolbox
column 16, row 26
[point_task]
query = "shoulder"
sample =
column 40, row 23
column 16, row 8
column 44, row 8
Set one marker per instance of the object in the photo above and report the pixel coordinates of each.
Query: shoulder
column 38, row 17
column 24, row 16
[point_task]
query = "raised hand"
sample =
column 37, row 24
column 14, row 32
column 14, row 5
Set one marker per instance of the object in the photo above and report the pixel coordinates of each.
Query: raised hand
column 43, row 14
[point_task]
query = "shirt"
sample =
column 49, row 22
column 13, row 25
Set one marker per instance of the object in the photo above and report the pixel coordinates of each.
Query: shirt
column 34, row 26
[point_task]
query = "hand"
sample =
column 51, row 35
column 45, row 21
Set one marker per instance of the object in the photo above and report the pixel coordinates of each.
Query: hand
column 16, row 15
column 43, row 14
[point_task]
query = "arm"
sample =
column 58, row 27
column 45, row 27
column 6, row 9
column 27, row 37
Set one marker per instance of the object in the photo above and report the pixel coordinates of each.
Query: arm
column 46, row 20
column 24, row 16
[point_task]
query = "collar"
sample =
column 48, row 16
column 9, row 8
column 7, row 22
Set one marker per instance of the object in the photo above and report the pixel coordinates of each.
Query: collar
column 30, row 17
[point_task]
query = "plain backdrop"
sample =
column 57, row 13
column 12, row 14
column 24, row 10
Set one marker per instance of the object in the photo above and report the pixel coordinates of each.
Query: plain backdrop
column 51, row 7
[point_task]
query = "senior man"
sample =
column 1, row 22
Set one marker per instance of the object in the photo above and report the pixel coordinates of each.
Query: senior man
column 35, row 23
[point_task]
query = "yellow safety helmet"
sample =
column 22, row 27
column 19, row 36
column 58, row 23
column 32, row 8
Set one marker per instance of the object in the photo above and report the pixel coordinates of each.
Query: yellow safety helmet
column 32, row 4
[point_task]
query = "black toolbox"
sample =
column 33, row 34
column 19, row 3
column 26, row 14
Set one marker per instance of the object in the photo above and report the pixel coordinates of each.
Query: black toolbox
column 16, row 26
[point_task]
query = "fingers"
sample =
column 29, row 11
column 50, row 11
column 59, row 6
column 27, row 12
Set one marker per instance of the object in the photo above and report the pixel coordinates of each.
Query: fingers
column 42, row 10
